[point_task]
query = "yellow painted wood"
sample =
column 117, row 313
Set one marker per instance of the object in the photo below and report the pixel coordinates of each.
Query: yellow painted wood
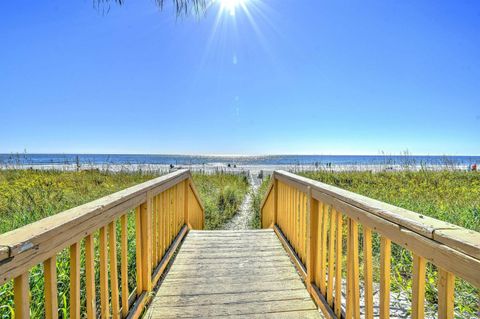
column 138, row 251
column 50, row 274
column 104, row 303
column 356, row 271
column 90, row 277
column 186, row 187
column 323, row 250
column 154, row 233
column 312, row 233
column 353, row 289
column 21, row 296
column 163, row 218
column 318, row 261
column 349, row 295
column 385, row 253
column 75, row 281
column 446, row 288
column 168, row 215
column 275, row 201
column 331, row 256
column 160, row 226
column 338, row 266
column 112, row 243
column 368, row 272
column 124, row 265
column 145, row 212
column 418, row 288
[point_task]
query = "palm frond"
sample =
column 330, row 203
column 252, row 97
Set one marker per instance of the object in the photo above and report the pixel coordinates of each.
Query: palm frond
column 182, row 7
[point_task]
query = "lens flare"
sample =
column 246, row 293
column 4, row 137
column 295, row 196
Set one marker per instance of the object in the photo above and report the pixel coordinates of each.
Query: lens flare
column 231, row 6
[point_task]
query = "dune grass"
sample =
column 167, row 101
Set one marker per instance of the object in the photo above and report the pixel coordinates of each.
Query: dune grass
column 452, row 196
column 30, row 195
column 222, row 194
column 257, row 201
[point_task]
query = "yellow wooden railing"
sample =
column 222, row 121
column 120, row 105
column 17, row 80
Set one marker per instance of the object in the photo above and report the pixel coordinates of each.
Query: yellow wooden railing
column 312, row 218
column 165, row 208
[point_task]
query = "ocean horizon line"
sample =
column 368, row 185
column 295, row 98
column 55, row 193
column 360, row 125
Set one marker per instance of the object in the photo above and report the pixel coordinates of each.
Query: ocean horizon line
column 400, row 154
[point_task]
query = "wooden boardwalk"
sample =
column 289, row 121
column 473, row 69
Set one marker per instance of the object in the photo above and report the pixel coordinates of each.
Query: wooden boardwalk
column 238, row 274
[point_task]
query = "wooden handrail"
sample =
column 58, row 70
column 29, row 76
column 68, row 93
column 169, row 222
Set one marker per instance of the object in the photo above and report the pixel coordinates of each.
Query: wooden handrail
column 165, row 208
column 307, row 215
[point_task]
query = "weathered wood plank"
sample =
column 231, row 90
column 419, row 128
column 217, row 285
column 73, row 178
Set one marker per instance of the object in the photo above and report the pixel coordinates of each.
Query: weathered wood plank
column 226, row 260
column 232, row 266
column 195, row 288
column 209, row 249
column 215, row 299
column 259, row 307
column 196, row 272
column 223, row 274
column 228, row 255
column 238, row 278
column 304, row 314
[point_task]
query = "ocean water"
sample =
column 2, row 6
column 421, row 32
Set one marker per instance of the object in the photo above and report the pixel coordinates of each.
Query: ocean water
column 125, row 159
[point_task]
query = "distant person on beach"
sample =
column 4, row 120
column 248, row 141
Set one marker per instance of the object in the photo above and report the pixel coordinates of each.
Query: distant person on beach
column 474, row 167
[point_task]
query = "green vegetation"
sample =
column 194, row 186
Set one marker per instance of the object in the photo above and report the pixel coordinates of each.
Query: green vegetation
column 222, row 194
column 30, row 195
column 452, row 196
column 257, row 201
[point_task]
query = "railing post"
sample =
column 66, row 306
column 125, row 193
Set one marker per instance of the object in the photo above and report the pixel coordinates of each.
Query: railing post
column 185, row 200
column 145, row 216
column 275, row 199
column 21, row 296
column 312, row 234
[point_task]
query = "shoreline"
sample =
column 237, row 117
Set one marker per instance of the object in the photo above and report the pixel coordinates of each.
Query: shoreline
column 267, row 169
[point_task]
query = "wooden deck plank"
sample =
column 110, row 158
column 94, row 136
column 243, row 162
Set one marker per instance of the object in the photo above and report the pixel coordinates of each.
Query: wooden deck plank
column 257, row 307
column 229, row 272
column 226, row 260
column 245, row 274
column 234, row 266
column 214, row 299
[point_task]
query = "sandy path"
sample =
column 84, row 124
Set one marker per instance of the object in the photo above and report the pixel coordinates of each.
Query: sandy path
column 243, row 217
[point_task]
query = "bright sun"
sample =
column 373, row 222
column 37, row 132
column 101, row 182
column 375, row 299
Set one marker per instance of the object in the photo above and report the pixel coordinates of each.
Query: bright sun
column 231, row 5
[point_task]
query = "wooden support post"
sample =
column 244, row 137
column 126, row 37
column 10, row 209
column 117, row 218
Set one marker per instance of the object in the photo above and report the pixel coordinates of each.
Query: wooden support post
column 75, row 281
column 418, row 288
column 90, row 277
column 446, row 287
column 323, row 248
column 185, row 202
column 154, row 232
column 50, row 274
column 385, row 253
column 145, row 213
column 331, row 256
column 338, row 266
column 112, row 243
column 21, row 296
column 275, row 199
column 368, row 271
column 353, row 289
column 104, row 303
column 138, row 252
column 312, row 233
column 124, row 265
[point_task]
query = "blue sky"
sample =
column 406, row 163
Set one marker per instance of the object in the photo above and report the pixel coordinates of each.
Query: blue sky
column 288, row 77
